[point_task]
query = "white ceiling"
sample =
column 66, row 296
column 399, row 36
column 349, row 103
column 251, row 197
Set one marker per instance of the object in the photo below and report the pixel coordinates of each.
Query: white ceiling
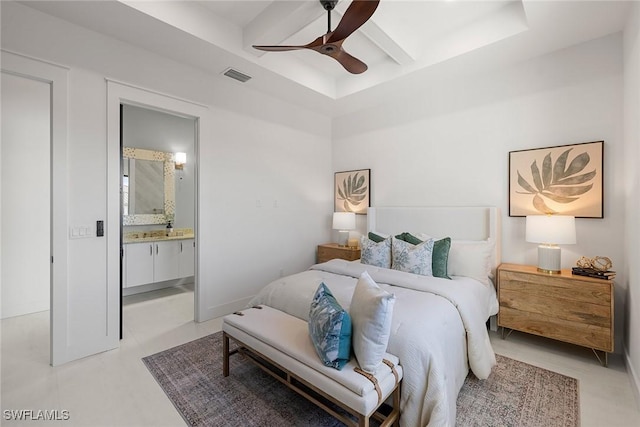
column 403, row 42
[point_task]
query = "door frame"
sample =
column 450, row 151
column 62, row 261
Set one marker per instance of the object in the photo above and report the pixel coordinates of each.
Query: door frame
column 123, row 93
column 57, row 78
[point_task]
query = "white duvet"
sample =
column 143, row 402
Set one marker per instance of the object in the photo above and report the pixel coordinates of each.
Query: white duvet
column 438, row 329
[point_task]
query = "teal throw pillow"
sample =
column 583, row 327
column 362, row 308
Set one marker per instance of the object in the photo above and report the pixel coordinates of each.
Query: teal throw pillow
column 440, row 257
column 375, row 237
column 409, row 238
column 330, row 329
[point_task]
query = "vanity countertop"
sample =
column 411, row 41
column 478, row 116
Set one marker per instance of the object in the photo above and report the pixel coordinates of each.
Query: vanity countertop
column 157, row 235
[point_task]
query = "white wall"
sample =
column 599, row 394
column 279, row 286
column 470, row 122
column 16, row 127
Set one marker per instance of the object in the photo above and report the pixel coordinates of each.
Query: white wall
column 448, row 144
column 26, row 201
column 632, row 192
column 266, row 171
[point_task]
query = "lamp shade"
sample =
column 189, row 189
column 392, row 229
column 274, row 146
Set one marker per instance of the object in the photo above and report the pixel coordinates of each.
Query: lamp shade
column 551, row 229
column 344, row 220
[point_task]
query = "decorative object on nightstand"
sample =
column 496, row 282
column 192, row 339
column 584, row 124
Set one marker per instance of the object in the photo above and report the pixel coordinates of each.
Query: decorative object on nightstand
column 343, row 222
column 601, row 263
column 550, row 231
column 330, row 251
column 566, row 307
column 598, row 267
column 584, row 262
column 353, row 243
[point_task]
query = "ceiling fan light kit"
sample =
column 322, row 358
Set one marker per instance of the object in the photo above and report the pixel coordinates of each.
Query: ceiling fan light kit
column 330, row 44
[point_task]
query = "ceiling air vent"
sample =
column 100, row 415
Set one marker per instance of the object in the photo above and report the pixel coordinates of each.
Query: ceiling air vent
column 237, row 75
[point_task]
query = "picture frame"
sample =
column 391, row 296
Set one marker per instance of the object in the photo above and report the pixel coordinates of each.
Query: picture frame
column 564, row 179
column 352, row 191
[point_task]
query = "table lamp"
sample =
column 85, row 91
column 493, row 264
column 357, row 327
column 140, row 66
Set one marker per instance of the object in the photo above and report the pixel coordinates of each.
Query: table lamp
column 343, row 222
column 550, row 231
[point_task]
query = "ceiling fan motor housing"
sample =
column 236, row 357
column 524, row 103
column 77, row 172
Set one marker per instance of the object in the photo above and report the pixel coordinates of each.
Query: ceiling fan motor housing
column 328, row 4
column 328, row 48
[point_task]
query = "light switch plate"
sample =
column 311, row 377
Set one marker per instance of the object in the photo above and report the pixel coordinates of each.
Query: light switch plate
column 80, row 232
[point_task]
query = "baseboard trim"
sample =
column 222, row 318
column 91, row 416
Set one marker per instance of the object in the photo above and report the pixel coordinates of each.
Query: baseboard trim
column 634, row 379
column 221, row 310
column 156, row 286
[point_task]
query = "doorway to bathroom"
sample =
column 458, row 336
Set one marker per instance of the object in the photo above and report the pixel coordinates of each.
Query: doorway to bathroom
column 158, row 213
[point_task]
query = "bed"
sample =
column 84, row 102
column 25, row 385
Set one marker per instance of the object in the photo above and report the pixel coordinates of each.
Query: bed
column 438, row 328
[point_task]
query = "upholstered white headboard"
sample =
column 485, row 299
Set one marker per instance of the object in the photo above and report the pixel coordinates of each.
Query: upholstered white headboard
column 459, row 223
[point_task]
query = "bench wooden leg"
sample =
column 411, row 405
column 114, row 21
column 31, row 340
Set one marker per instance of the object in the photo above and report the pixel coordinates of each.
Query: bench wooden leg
column 396, row 405
column 225, row 352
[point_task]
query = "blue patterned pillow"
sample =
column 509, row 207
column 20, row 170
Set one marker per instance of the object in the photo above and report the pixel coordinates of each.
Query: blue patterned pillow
column 410, row 258
column 440, row 255
column 330, row 329
column 378, row 254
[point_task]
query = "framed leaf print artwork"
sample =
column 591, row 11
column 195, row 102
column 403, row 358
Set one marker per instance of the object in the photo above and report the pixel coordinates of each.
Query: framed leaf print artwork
column 352, row 189
column 566, row 180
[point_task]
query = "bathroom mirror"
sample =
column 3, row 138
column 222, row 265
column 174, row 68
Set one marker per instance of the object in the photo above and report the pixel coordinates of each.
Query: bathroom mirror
column 148, row 190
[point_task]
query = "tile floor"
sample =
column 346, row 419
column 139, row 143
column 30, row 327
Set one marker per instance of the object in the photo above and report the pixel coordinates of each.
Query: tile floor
column 115, row 389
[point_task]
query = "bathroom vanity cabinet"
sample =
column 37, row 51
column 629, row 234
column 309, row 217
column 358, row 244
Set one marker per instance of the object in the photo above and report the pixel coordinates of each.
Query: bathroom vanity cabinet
column 158, row 261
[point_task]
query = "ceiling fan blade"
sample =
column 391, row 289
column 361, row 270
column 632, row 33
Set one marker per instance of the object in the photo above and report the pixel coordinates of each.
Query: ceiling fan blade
column 278, row 48
column 358, row 12
column 350, row 63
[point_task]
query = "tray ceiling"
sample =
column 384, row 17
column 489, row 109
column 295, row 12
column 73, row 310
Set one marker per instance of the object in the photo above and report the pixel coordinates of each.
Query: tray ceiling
column 402, row 41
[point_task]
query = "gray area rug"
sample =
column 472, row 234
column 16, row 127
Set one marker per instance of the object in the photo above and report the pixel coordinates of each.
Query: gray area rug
column 519, row 394
column 516, row 394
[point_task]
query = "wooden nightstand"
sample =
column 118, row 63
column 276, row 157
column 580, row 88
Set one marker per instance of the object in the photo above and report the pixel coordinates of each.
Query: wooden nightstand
column 330, row 251
column 565, row 307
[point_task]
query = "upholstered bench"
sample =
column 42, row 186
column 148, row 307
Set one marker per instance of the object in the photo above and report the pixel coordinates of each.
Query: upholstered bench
column 266, row 334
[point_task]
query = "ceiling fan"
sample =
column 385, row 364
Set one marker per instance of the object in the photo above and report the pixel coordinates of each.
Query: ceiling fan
column 358, row 12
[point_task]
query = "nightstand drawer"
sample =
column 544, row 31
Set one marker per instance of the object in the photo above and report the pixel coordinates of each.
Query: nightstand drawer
column 561, row 307
column 580, row 333
column 557, row 286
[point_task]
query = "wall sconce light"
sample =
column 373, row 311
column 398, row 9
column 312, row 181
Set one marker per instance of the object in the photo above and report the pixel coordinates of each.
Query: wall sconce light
column 343, row 222
column 180, row 160
column 550, row 231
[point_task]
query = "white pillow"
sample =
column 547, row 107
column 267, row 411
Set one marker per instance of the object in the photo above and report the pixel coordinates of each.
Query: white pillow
column 371, row 311
column 412, row 258
column 471, row 258
column 378, row 254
